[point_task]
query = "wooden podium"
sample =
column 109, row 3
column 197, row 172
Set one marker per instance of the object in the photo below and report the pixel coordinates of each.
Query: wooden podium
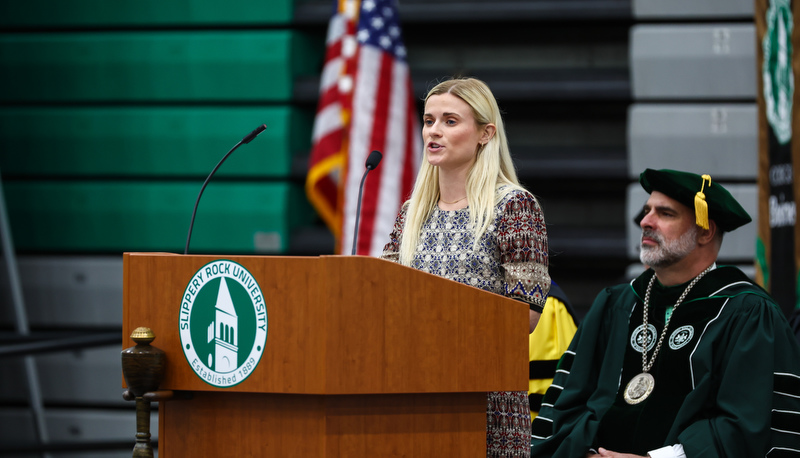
column 363, row 357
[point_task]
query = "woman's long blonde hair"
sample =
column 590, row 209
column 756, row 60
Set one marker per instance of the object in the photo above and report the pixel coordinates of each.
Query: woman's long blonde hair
column 493, row 168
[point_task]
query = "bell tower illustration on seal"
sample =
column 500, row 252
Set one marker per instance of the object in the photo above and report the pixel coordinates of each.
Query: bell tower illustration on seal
column 224, row 331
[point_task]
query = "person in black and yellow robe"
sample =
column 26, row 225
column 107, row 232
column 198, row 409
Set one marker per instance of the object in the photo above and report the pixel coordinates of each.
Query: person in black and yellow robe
column 547, row 343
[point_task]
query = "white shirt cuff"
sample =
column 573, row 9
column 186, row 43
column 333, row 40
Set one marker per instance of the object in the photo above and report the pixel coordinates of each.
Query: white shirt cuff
column 670, row 451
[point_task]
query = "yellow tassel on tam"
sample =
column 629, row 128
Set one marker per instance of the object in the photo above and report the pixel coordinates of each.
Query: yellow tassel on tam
column 700, row 204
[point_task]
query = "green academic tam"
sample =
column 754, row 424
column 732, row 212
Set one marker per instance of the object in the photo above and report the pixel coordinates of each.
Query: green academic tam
column 697, row 192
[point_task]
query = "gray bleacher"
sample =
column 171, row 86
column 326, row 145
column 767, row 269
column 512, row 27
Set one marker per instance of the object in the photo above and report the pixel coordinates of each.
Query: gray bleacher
column 714, row 61
column 82, row 388
column 87, row 289
column 694, row 90
column 720, row 138
column 693, row 9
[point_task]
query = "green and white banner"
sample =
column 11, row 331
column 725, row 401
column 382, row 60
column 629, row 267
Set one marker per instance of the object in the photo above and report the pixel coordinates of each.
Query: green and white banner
column 777, row 245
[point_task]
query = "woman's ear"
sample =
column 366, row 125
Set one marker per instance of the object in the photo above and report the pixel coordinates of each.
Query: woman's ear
column 488, row 132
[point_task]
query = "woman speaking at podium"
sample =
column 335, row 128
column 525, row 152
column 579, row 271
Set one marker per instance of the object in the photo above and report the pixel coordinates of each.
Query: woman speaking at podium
column 469, row 220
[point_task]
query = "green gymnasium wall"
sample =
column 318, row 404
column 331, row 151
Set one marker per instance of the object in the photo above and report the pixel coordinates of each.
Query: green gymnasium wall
column 112, row 114
column 146, row 13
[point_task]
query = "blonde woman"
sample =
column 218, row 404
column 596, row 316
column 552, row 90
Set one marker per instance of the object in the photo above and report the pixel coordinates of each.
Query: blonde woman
column 469, row 220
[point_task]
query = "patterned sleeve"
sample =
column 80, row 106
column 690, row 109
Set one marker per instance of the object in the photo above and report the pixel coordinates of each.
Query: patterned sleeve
column 522, row 239
column 392, row 249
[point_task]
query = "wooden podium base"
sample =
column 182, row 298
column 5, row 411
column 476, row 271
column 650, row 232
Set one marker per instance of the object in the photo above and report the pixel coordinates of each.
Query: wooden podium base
column 331, row 426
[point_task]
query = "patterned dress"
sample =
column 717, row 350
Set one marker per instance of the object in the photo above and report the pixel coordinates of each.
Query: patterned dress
column 512, row 260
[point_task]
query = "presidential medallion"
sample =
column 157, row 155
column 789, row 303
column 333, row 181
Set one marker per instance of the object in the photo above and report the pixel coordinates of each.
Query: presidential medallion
column 639, row 388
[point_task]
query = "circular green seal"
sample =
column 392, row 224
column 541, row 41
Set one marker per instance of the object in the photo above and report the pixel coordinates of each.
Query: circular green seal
column 223, row 323
column 776, row 70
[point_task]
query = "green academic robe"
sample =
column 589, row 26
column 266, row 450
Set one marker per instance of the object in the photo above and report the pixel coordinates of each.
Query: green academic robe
column 727, row 377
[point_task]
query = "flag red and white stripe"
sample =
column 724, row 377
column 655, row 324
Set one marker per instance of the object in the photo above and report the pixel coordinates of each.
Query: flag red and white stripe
column 366, row 103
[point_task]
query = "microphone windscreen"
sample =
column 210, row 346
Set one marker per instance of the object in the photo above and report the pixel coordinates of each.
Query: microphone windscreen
column 374, row 159
column 249, row 138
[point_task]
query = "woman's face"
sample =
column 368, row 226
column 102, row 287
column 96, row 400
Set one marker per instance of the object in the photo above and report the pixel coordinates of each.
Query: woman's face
column 450, row 132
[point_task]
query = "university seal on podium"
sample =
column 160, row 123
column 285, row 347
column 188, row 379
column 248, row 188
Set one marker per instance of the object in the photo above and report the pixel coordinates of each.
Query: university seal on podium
column 223, row 323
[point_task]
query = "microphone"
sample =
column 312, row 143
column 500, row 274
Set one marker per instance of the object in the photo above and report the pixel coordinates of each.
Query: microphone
column 373, row 160
column 243, row 141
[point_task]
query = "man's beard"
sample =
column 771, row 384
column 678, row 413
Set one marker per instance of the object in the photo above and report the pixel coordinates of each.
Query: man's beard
column 667, row 253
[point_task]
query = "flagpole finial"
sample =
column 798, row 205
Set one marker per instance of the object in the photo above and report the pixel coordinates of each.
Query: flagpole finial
column 349, row 8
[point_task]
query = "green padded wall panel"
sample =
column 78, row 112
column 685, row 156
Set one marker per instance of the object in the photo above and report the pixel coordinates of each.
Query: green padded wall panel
column 119, row 67
column 250, row 217
column 150, row 141
column 66, row 13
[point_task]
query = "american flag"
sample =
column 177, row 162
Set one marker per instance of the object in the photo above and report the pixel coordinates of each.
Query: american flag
column 366, row 103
